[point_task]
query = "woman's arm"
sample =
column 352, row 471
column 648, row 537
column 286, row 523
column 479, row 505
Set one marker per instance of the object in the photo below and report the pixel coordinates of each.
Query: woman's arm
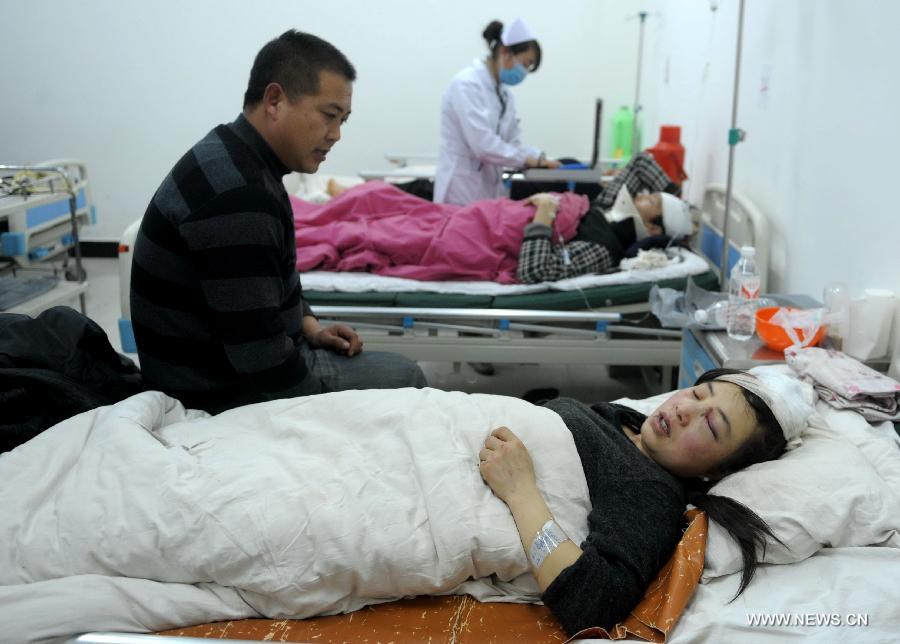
column 541, row 261
column 641, row 174
column 507, row 468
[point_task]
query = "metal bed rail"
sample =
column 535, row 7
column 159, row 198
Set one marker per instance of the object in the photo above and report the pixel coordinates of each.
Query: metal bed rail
column 512, row 336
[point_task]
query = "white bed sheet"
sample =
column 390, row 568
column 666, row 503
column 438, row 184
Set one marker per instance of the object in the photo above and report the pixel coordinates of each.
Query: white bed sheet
column 358, row 282
column 822, row 599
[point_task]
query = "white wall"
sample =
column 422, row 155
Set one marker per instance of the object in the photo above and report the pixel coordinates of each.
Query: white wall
column 129, row 86
column 818, row 99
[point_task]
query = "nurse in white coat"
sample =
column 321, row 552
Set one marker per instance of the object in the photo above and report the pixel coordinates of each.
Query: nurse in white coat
column 479, row 125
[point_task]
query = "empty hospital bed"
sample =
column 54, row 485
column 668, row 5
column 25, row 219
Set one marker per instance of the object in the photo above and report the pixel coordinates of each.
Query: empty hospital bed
column 42, row 208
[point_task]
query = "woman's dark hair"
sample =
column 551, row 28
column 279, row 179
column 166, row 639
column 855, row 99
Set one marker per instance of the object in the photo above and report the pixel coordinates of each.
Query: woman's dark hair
column 491, row 34
column 746, row 527
column 294, row 60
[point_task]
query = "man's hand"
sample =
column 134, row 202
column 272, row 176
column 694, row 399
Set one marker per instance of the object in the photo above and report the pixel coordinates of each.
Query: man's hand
column 506, row 465
column 339, row 338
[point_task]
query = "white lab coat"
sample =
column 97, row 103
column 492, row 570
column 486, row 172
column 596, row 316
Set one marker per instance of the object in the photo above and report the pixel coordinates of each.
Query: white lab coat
column 476, row 142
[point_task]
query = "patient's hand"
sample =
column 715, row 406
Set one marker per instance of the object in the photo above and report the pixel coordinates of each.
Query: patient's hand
column 544, row 199
column 506, row 465
column 334, row 189
column 339, row 338
column 547, row 204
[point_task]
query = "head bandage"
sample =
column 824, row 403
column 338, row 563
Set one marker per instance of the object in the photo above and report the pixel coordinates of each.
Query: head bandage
column 516, row 32
column 676, row 214
column 790, row 400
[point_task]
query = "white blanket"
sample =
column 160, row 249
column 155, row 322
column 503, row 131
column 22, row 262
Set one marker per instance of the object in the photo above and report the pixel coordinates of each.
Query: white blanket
column 357, row 282
column 291, row 508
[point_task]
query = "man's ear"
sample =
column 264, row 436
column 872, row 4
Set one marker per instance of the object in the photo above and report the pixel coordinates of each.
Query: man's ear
column 273, row 97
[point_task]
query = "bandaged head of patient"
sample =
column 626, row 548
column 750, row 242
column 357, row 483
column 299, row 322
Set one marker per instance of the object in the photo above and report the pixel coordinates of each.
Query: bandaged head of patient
column 676, row 215
column 789, row 399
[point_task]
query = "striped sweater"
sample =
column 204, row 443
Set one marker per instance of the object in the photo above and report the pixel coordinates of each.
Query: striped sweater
column 216, row 300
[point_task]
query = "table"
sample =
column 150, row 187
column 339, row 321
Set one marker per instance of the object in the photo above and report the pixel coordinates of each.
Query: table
column 703, row 349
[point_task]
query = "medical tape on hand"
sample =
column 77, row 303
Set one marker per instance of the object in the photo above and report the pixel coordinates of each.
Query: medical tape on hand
column 567, row 259
column 548, row 539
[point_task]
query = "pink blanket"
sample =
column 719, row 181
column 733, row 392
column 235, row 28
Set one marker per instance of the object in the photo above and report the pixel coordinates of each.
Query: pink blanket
column 378, row 228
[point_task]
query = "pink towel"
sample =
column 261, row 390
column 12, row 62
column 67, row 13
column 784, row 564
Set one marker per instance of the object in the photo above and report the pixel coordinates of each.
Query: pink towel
column 378, row 228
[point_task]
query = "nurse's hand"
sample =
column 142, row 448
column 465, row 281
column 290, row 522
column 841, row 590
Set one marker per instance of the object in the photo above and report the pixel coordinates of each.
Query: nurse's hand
column 339, row 338
column 540, row 162
column 506, row 465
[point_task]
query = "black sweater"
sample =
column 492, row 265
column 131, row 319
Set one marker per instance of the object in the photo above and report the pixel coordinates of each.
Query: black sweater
column 634, row 524
column 216, row 300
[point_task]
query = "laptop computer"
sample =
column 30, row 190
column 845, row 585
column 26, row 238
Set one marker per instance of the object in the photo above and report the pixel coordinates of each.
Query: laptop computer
column 593, row 173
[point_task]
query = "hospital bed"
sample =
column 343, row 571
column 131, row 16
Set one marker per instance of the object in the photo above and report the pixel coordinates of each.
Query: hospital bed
column 591, row 319
column 42, row 208
column 843, row 592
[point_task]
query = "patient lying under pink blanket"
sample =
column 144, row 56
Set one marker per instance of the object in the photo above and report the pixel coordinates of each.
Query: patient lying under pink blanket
column 378, row 228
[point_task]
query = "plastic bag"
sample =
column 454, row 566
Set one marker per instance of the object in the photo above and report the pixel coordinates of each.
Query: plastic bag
column 806, row 320
column 679, row 308
column 871, row 317
column 667, row 305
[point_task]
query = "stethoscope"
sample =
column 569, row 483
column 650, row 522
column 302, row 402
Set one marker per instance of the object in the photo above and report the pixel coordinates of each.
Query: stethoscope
column 502, row 99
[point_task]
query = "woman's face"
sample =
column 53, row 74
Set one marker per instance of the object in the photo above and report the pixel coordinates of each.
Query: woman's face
column 649, row 206
column 698, row 428
column 526, row 58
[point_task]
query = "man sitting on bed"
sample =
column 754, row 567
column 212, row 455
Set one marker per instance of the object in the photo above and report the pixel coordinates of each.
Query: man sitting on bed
column 636, row 209
column 217, row 306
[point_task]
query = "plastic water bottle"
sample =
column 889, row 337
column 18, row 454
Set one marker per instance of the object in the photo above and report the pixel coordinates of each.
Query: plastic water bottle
column 743, row 296
column 714, row 315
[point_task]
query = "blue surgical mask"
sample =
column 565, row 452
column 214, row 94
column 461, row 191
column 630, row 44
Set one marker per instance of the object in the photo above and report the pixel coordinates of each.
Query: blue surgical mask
column 514, row 75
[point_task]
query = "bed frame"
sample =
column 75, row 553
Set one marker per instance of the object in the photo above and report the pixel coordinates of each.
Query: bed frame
column 527, row 328
column 39, row 225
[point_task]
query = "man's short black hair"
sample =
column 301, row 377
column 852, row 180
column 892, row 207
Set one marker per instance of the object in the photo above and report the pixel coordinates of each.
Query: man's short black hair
column 294, row 60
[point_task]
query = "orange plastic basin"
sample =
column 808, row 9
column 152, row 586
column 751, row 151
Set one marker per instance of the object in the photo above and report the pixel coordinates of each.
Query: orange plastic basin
column 775, row 337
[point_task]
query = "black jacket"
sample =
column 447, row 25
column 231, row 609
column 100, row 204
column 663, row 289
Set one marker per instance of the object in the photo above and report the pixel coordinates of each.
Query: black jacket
column 55, row 366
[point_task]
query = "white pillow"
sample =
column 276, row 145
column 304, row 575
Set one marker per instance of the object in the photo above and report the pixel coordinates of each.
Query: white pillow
column 841, row 487
column 824, row 493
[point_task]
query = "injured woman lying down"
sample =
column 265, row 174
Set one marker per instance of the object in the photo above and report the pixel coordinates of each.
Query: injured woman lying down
column 143, row 516
column 379, row 228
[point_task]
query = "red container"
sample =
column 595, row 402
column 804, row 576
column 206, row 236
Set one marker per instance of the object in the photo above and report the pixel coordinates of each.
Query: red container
column 669, row 153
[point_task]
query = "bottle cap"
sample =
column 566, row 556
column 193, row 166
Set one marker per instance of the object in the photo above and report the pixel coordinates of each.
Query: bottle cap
column 701, row 316
column 748, row 251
